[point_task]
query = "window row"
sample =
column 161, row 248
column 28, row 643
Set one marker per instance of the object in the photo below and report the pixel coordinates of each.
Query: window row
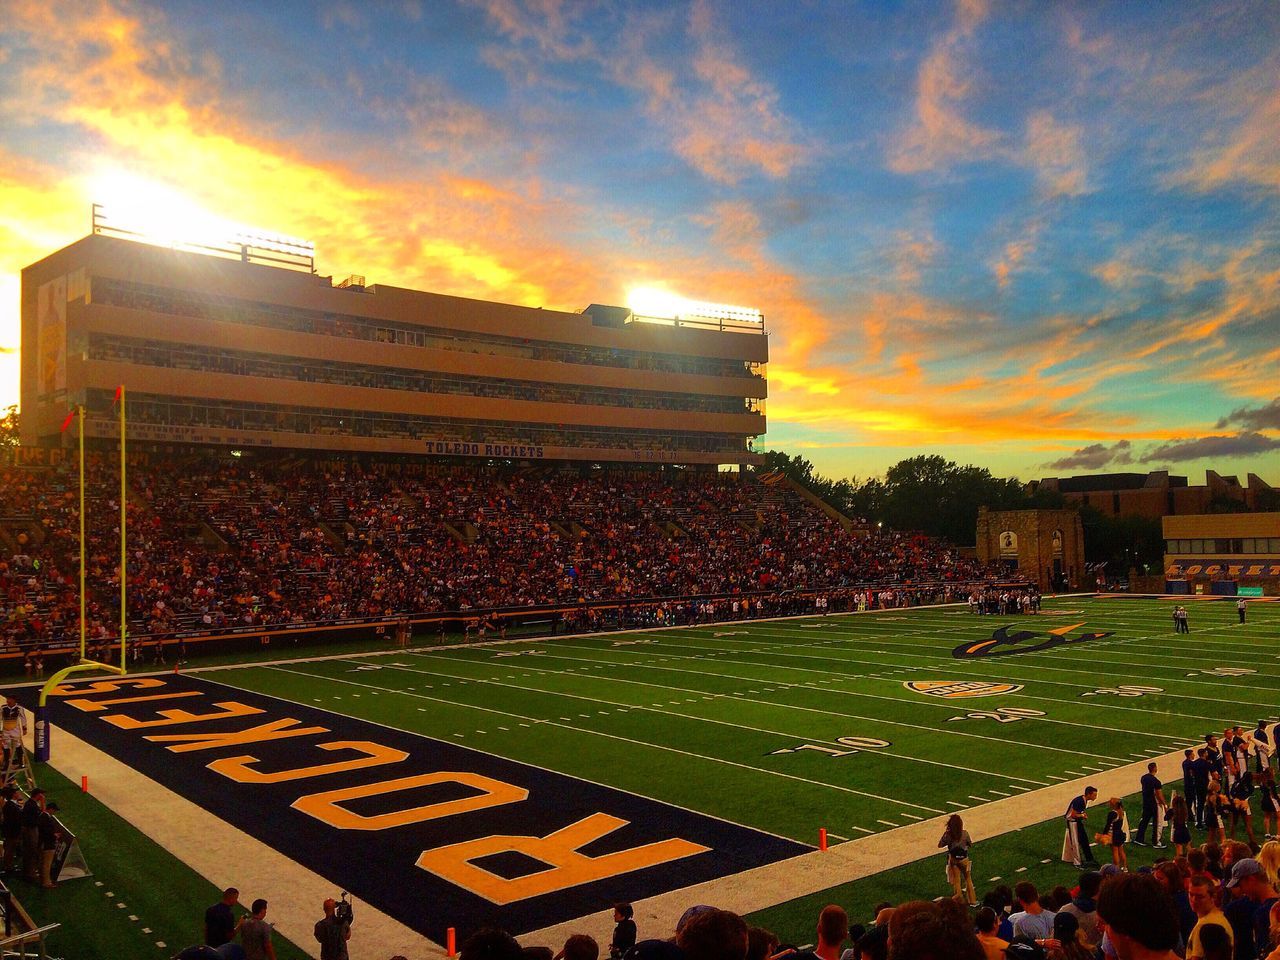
column 186, row 303
column 232, row 415
column 1225, row 545
column 189, row 357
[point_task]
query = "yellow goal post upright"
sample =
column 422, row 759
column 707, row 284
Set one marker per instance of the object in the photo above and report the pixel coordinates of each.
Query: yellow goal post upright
column 85, row 664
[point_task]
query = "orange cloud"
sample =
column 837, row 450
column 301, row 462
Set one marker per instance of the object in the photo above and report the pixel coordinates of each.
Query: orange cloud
column 1054, row 151
column 940, row 135
column 1251, row 153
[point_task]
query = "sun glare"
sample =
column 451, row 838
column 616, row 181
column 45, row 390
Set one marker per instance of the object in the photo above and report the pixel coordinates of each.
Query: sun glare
column 157, row 211
column 654, row 302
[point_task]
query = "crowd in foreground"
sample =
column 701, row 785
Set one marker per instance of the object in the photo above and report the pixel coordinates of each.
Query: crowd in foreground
column 1212, row 905
column 220, row 543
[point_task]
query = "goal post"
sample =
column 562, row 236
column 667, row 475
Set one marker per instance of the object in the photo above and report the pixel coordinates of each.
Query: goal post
column 85, row 664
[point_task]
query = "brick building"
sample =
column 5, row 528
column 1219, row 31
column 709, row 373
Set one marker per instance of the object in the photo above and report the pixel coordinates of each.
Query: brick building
column 1046, row 546
column 1156, row 494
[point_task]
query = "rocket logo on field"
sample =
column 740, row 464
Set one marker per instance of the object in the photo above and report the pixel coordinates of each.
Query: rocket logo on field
column 960, row 689
column 1002, row 643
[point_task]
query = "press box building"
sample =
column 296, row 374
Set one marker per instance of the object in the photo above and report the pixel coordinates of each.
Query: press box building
column 242, row 345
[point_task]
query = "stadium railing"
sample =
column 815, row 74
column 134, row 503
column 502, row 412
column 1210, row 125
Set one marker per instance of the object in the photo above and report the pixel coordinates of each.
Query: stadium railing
column 607, row 614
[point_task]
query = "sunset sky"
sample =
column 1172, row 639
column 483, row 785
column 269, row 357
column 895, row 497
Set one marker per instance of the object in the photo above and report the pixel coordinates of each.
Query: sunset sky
column 1039, row 237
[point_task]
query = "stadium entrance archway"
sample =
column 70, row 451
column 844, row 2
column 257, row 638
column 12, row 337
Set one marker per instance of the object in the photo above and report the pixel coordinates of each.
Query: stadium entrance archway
column 1046, row 546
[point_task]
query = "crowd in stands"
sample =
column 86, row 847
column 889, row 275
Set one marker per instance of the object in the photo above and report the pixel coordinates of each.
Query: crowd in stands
column 217, row 543
column 1220, row 907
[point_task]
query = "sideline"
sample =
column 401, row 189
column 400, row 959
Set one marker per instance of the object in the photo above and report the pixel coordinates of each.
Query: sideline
column 809, row 873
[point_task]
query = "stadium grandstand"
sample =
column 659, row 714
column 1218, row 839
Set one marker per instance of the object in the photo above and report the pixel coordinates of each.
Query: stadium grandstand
column 307, row 454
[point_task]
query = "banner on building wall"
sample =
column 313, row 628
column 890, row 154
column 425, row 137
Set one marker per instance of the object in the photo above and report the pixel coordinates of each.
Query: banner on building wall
column 51, row 335
column 1222, row 566
column 1008, row 544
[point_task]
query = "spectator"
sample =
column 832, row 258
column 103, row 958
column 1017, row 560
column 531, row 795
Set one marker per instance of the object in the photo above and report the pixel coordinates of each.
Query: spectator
column 1071, row 944
column 579, row 947
column 1138, row 918
column 713, row 935
column 49, row 832
column 624, row 931
column 255, row 933
column 1033, row 921
column 11, row 826
column 833, row 930
column 874, row 944
column 219, row 921
column 930, row 931
column 988, row 924
column 1251, row 924
column 1084, row 907
column 487, row 944
column 761, row 943
column 1203, row 892
column 31, row 811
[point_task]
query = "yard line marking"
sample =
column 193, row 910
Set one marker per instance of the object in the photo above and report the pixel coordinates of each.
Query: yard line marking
column 649, row 664
column 835, row 836
column 863, row 830
column 888, row 823
column 739, row 726
column 994, row 879
column 1000, row 793
column 1046, row 860
column 971, row 675
column 1030, row 666
column 1021, row 870
column 614, row 736
column 980, row 799
column 962, row 806
column 912, row 816
column 793, row 686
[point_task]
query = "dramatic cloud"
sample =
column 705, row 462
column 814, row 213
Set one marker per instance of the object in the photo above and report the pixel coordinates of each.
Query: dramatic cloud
column 1247, row 444
column 940, row 134
column 1054, row 151
column 1256, row 418
column 1095, row 456
column 977, row 236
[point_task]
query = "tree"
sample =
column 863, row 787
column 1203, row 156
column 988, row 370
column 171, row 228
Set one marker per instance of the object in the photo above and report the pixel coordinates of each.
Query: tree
column 9, row 428
column 926, row 493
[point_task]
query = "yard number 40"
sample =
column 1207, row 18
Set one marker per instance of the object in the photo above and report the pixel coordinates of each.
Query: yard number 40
column 855, row 745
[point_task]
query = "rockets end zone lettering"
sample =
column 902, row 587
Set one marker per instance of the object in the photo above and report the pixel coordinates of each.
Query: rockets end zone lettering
column 431, row 833
column 1214, row 567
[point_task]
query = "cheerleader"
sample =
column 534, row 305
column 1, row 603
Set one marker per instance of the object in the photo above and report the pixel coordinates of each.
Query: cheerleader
column 1270, row 802
column 1241, row 791
column 1116, row 832
column 1214, row 805
column 1181, row 826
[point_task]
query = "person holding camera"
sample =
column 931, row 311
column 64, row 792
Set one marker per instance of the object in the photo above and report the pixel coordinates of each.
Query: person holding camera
column 956, row 841
column 332, row 933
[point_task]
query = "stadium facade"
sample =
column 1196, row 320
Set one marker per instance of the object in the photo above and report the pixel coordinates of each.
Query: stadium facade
column 246, row 347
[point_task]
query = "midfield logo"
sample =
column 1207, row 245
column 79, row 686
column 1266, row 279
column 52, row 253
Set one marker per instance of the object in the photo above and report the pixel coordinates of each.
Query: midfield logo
column 1003, row 643
column 960, row 689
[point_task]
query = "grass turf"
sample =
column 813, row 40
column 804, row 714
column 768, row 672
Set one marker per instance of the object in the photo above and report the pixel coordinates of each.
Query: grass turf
column 167, row 897
column 790, row 725
column 794, row 724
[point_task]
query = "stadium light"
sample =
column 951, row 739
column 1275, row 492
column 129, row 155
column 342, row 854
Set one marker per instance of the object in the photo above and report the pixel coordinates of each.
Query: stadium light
column 666, row 305
column 153, row 212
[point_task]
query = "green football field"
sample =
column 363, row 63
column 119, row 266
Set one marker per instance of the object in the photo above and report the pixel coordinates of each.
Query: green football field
column 857, row 723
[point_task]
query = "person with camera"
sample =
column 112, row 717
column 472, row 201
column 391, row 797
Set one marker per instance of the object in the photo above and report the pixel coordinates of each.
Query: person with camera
column 333, row 932
column 956, row 841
